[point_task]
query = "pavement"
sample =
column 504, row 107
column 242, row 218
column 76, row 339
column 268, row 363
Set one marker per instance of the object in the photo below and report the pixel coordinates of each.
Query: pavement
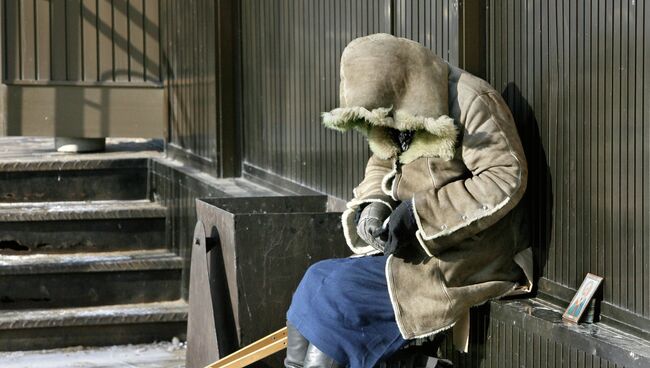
column 157, row 355
column 39, row 149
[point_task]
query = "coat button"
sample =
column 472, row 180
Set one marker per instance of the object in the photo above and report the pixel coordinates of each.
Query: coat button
column 443, row 227
column 485, row 207
column 463, row 217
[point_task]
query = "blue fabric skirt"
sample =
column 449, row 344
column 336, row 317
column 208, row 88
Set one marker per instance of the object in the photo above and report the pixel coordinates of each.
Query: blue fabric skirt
column 342, row 306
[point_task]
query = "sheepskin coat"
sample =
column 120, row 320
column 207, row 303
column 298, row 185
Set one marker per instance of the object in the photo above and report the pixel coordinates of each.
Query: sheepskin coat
column 465, row 171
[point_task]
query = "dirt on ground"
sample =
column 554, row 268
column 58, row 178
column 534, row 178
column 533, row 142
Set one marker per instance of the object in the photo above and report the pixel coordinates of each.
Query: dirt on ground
column 157, row 355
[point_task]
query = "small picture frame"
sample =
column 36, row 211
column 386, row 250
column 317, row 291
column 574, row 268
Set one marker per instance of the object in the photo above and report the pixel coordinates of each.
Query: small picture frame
column 582, row 297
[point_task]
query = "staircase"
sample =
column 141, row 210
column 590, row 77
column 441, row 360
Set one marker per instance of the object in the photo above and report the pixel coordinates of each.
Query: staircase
column 83, row 258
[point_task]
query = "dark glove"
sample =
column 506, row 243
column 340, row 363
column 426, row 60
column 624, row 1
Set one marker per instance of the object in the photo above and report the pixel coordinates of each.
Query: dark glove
column 400, row 230
column 370, row 220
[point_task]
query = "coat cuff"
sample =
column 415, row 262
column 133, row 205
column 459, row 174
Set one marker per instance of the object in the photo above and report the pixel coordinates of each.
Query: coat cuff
column 352, row 239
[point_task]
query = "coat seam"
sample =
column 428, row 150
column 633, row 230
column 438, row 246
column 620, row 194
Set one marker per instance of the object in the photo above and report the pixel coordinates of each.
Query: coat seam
column 393, row 301
column 433, row 179
column 444, row 287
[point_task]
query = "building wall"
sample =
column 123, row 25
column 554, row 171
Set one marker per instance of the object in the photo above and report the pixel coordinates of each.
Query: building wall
column 82, row 41
column 81, row 68
column 502, row 336
column 290, row 74
column 200, row 56
column 576, row 76
column 245, row 83
column 573, row 74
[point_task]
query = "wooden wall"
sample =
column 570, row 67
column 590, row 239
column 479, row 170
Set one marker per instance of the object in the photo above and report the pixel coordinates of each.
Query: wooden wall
column 200, row 56
column 290, row 74
column 85, row 41
column 576, row 75
column 81, row 68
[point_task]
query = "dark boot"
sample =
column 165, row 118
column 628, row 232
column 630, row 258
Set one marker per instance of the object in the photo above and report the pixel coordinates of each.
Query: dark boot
column 317, row 359
column 296, row 348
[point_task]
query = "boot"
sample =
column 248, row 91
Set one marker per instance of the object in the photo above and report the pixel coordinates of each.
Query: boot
column 296, row 348
column 317, row 359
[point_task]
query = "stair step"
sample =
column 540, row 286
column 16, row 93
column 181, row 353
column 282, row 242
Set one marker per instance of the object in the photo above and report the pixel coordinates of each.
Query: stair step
column 86, row 210
column 170, row 311
column 92, row 326
column 88, row 279
column 81, row 226
column 88, row 262
column 73, row 179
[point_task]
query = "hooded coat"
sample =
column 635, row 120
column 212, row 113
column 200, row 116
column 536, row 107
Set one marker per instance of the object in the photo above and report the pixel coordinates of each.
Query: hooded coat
column 465, row 171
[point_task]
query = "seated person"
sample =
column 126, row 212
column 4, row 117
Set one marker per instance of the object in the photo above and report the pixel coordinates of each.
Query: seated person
column 434, row 222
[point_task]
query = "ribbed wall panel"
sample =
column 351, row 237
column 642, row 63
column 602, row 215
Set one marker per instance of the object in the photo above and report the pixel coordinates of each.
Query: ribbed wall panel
column 503, row 343
column 290, row 68
column 179, row 199
column 432, row 23
column 576, row 75
column 81, row 41
column 189, row 57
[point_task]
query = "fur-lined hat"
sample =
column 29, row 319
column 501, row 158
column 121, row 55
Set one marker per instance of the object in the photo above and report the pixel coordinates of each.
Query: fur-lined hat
column 391, row 82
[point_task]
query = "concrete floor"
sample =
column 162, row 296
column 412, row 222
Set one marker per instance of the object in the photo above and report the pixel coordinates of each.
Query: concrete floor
column 158, row 355
column 38, row 149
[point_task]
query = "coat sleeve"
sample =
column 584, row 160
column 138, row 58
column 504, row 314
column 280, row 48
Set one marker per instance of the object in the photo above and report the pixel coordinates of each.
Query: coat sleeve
column 492, row 151
column 368, row 191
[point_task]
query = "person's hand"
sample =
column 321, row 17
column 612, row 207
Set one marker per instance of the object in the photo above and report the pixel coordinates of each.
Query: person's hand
column 370, row 220
column 400, row 229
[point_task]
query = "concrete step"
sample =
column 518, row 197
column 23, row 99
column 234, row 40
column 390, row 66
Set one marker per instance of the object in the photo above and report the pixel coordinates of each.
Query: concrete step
column 92, row 326
column 73, row 179
column 88, row 279
column 81, row 226
column 164, row 354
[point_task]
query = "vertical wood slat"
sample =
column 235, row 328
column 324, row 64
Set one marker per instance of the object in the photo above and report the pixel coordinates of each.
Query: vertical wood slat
column 74, row 46
column 89, row 31
column 27, row 42
column 121, row 40
column 642, row 254
column 59, row 61
column 82, row 40
column 105, row 40
column 13, row 30
column 43, row 47
column 137, row 51
column 151, row 19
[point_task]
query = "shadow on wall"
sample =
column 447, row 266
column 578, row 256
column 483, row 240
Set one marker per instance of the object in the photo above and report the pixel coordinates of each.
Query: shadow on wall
column 61, row 81
column 538, row 200
column 537, row 204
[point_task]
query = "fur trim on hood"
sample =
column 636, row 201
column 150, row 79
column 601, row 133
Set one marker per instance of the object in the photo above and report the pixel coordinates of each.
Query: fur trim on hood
column 433, row 137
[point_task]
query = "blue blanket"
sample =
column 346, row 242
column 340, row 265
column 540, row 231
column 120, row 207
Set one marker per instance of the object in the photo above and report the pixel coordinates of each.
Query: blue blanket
column 342, row 306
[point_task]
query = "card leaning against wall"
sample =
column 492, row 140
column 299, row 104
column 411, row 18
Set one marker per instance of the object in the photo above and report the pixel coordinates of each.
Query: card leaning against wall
column 581, row 299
